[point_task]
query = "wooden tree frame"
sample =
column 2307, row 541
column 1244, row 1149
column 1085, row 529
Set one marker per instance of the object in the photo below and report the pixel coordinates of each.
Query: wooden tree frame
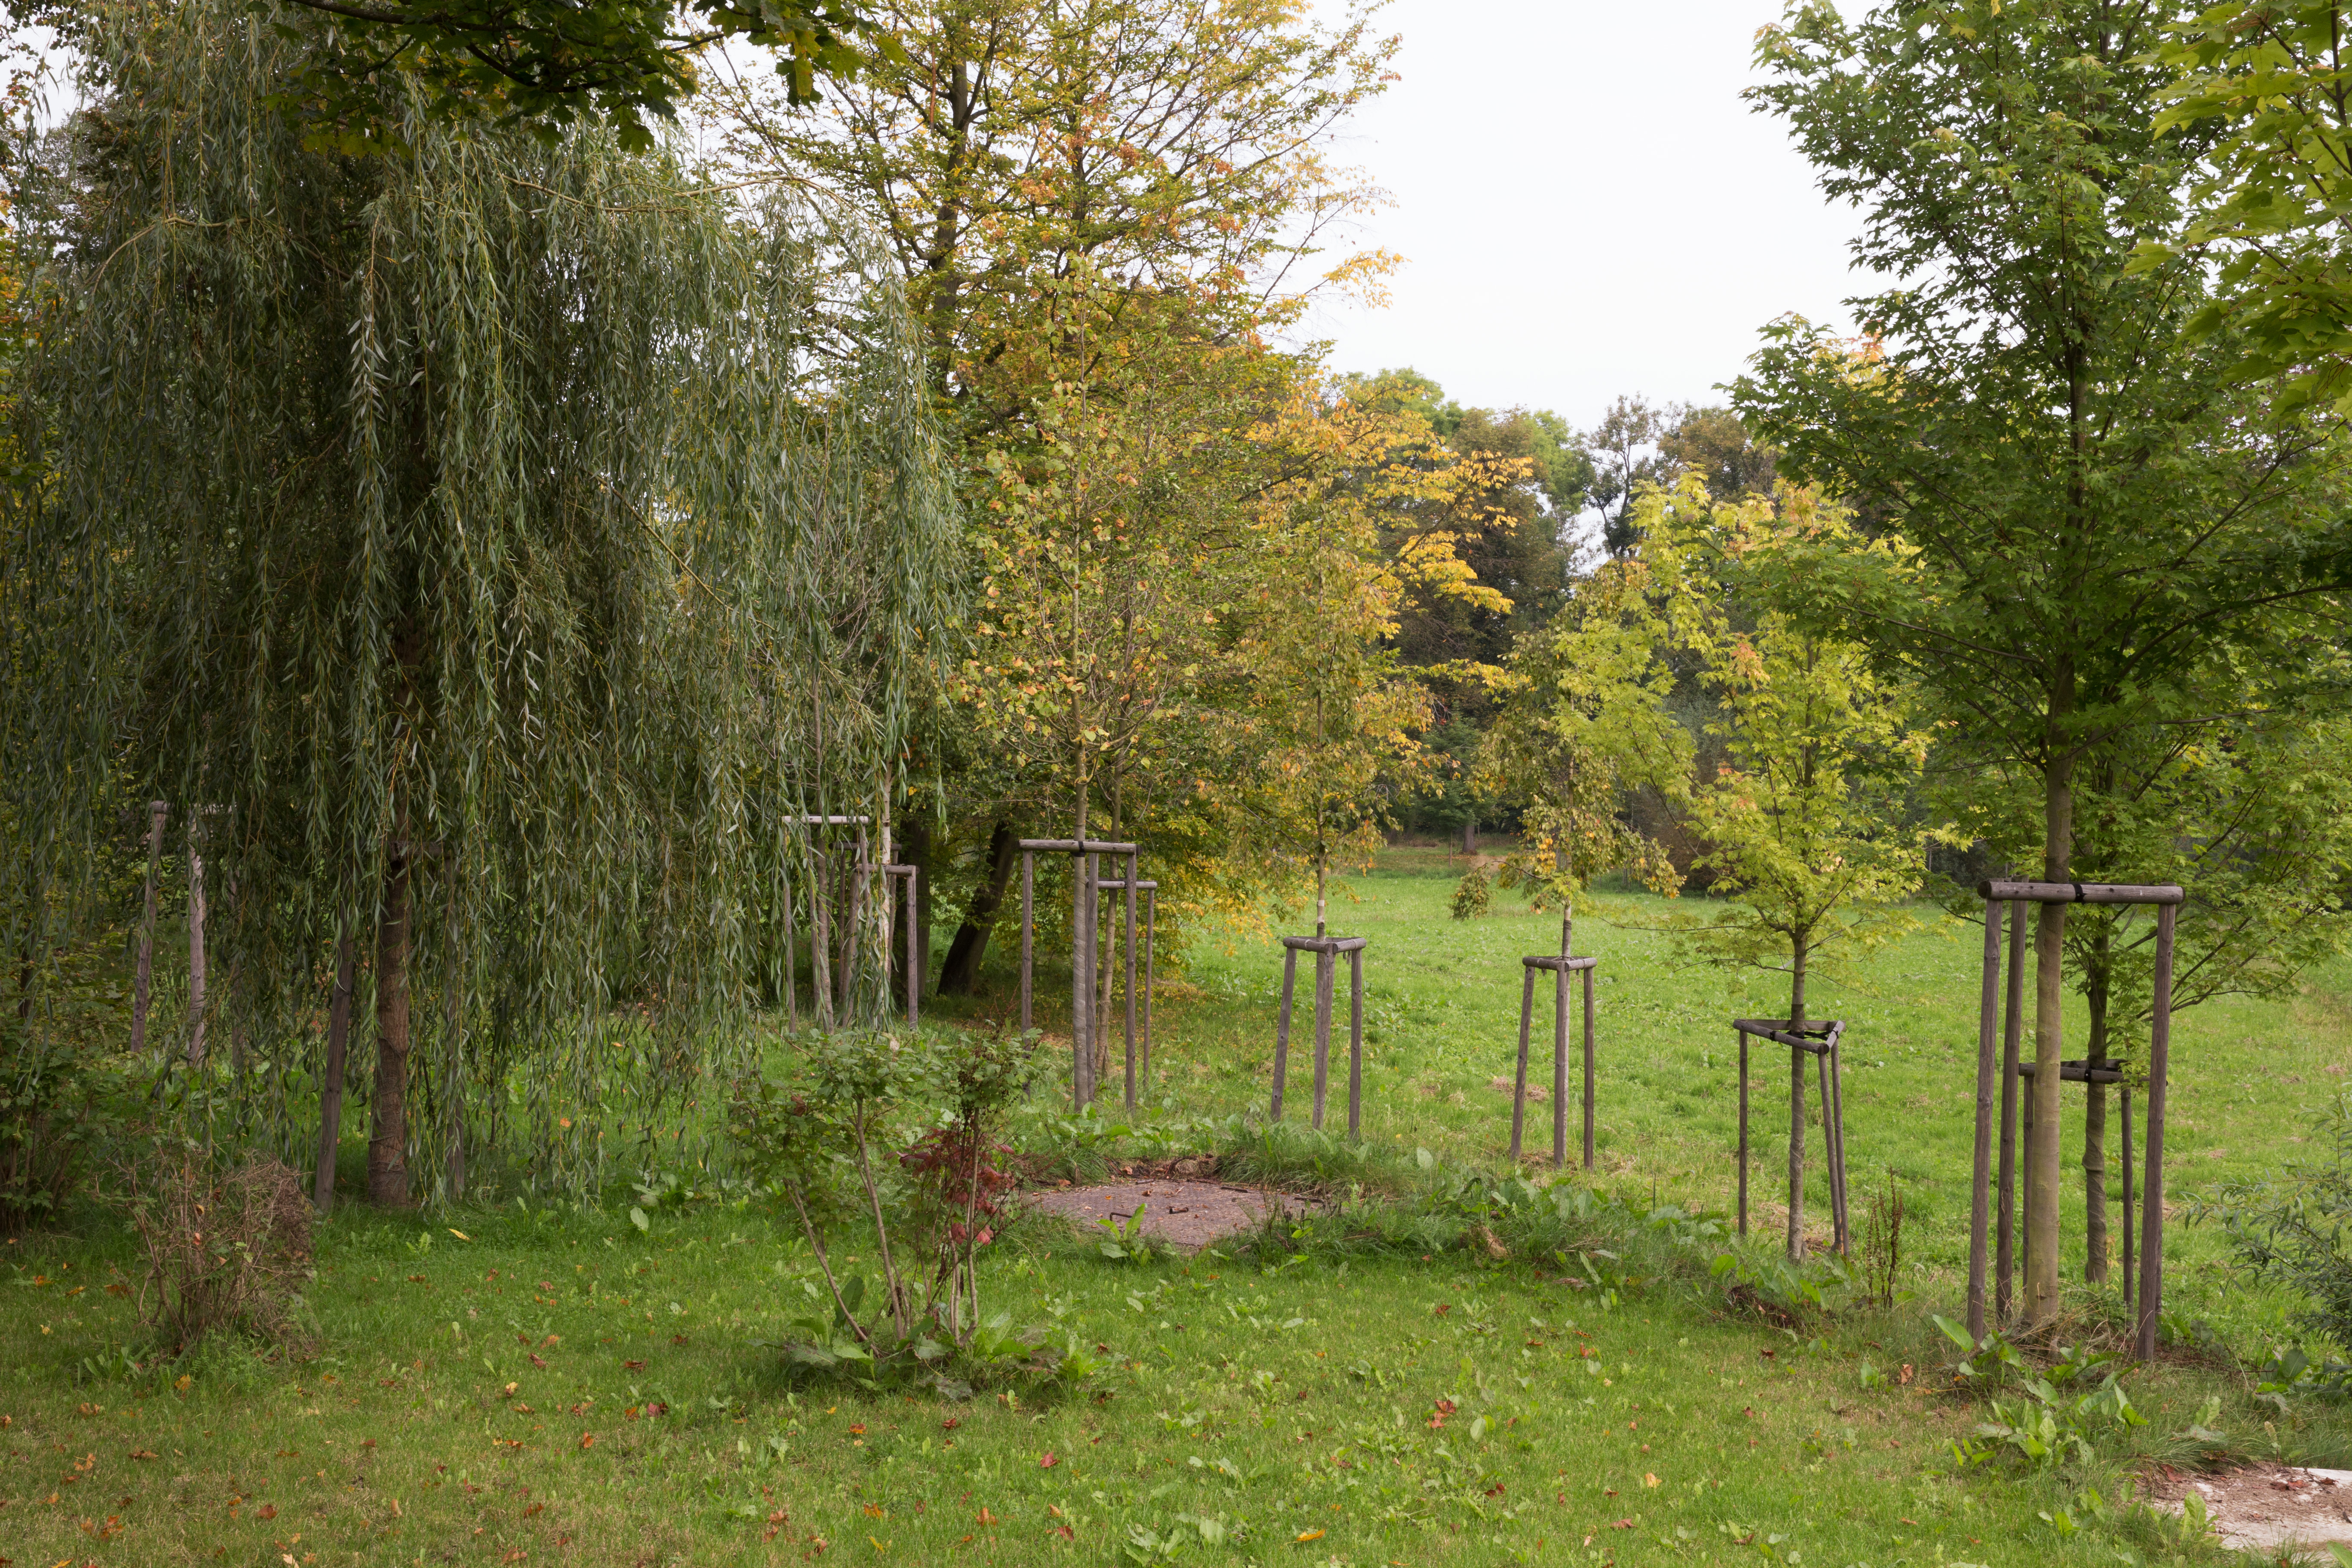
column 1086, row 886
column 1561, row 966
column 1818, row 1039
column 2166, row 898
column 1327, row 951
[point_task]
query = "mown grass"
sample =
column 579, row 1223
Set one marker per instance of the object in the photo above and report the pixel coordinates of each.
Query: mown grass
column 1289, row 1388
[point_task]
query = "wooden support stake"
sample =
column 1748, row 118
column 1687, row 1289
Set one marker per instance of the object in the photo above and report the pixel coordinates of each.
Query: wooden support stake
column 142, row 976
column 1588, row 1070
column 1128, row 953
column 1742, row 1035
column 1082, row 979
column 1355, row 1042
column 1796, row 1244
column 1150, row 906
column 2005, row 1263
column 2123, row 1099
column 1028, row 929
column 1980, row 1178
column 2159, row 1055
column 1559, row 1064
column 1519, row 1077
column 914, row 950
column 1830, row 1132
column 1282, row 1027
column 1323, row 979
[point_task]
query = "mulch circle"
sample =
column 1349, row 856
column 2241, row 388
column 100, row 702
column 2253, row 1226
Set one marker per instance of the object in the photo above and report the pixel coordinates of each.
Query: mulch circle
column 2263, row 1508
column 1180, row 1209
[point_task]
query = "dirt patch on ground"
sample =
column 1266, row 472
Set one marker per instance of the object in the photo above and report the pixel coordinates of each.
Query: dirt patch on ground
column 2267, row 1507
column 1181, row 1213
column 1535, row 1091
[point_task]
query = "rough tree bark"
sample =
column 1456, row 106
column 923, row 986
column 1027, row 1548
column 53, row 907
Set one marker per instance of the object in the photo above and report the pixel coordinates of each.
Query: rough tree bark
column 959, row 974
column 388, row 1131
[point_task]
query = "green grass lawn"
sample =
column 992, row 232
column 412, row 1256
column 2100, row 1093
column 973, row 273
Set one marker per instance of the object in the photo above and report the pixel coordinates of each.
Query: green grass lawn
column 559, row 1386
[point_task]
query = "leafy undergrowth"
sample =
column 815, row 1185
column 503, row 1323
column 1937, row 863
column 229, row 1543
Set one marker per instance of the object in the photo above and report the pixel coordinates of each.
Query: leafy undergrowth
column 561, row 1387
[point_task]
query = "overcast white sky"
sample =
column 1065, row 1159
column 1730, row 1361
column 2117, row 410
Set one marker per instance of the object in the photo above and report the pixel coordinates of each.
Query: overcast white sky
column 1584, row 204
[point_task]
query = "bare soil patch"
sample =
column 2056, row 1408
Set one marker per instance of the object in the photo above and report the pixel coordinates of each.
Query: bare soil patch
column 2267, row 1507
column 1184, row 1213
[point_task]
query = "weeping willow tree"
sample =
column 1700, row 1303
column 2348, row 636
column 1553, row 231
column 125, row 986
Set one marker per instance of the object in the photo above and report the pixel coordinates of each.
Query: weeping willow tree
column 493, row 555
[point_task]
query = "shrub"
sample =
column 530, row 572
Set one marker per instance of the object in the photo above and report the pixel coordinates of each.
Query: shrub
column 1472, row 893
column 54, row 1105
column 2290, row 1227
column 224, row 1252
column 827, row 1142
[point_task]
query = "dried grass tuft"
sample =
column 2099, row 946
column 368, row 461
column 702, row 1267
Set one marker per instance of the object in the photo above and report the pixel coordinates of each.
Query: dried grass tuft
column 226, row 1252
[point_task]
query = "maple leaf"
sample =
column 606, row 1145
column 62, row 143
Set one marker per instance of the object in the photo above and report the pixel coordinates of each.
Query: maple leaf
column 1046, row 1461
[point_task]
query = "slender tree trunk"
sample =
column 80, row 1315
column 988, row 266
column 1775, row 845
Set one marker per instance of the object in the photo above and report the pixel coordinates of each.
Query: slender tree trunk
column 2096, row 991
column 143, row 976
column 330, row 1083
column 959, row 974
column 2039, row 1298
column 1469, row 835
column 388, row 1133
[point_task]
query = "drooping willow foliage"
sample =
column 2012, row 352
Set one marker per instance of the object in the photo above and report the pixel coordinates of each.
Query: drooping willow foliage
column 490, row 554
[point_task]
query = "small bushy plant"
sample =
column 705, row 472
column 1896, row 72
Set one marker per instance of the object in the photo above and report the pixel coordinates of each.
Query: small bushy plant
column 1474, row 892
column 224, row 1252
column 833, row 1141
column 2291, row 1228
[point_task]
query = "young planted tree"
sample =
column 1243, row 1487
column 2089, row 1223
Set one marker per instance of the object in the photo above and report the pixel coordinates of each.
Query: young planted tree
column 1804, row 817
column 2251, row 812
column 2091, row 511
column 1328, row 712
column 1587, row 720
column 497, row 545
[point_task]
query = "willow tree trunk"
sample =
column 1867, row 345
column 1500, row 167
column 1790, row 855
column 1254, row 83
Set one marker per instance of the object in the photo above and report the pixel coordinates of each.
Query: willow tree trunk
column 195, row 951
column 331, row 1086
column 2039, row 1297
column 2098, row 985
column 388, row 1130
column 959, row 974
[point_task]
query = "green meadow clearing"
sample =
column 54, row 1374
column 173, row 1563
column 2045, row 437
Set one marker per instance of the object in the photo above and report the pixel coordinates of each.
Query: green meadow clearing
column 551, row 1383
